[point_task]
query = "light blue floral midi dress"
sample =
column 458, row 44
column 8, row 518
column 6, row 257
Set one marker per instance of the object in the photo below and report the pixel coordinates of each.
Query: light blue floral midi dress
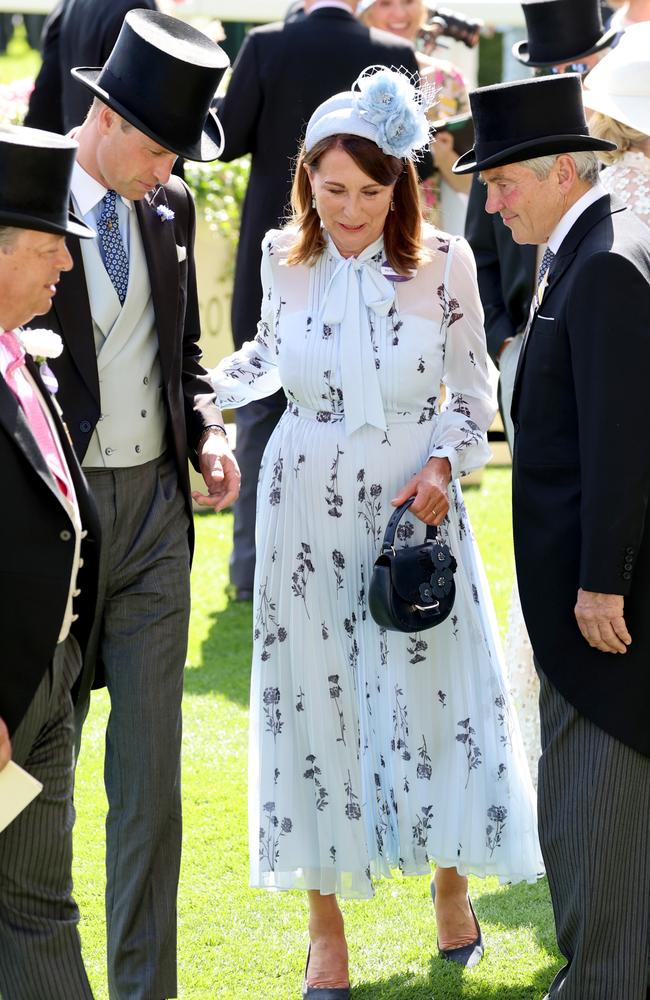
column 370, row 749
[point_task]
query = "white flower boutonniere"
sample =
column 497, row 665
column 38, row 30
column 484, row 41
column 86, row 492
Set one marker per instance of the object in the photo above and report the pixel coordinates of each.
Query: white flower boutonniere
column 42, row 345
column 163, row 211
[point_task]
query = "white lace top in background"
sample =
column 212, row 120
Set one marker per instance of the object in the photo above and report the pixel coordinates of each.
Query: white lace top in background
column 629, row 178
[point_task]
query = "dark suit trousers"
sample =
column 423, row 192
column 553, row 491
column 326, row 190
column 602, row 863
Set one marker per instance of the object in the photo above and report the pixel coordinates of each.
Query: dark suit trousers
column 255, row 424
column 594, row 822
column 140, row 638
column 40, row 950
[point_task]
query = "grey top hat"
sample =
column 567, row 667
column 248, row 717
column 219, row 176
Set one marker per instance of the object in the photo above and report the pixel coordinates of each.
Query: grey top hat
column 35, row 173
column 528, row 118
column 161, row 77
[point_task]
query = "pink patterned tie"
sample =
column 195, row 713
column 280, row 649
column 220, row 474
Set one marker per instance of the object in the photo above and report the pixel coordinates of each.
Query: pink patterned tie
column 24, row 392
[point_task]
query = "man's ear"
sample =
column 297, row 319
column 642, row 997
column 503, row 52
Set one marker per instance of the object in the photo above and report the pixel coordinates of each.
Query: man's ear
column 106, row 119
column 567, row 172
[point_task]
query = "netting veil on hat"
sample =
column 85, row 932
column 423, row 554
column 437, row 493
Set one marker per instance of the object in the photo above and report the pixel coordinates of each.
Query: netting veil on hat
column 384, row 106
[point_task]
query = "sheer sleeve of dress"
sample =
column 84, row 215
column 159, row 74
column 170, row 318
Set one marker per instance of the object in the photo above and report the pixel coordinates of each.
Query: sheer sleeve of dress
column 252, row 372
column 629, row 178
column 460, row 432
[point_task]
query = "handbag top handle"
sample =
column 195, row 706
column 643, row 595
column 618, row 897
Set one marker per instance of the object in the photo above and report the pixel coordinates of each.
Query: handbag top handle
column 391, row 527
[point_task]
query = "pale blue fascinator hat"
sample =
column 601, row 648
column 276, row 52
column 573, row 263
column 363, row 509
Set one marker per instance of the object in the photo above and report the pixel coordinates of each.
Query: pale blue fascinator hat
column 384, row 106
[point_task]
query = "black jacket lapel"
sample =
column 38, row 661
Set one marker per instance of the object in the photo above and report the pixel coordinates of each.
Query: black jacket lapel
column 13, row 419
column 565, row 256
column 72, row 310
column 158, row 238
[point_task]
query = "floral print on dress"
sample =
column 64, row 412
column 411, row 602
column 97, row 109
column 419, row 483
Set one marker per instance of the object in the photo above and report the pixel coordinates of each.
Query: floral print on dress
column 358, row 761
column 274, row 723
column 472, row 749
column 369, row 500
column 269, row 845
column 301, row 574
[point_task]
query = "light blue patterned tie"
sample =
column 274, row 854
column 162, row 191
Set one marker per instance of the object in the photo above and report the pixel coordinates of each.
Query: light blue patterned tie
column 547, row 260
column 116, row 261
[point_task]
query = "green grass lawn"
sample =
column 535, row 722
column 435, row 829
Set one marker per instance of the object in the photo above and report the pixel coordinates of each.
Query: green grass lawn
column 241, row 943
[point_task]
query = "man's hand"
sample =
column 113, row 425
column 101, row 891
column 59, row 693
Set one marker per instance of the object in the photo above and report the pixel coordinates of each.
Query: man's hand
column 221, row 473
column 429, row 487
column 600, row 619
column 5, row 745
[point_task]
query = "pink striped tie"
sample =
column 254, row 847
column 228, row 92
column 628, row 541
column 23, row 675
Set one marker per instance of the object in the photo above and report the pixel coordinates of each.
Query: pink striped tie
column 25, row 394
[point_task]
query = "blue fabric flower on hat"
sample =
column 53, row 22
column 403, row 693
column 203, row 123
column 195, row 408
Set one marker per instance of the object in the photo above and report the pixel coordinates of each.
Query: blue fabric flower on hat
column 392, row 104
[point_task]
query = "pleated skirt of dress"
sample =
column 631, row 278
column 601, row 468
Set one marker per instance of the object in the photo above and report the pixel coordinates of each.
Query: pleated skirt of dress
column 372, row 750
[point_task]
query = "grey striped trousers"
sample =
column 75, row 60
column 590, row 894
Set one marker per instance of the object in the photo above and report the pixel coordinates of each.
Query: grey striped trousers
column 140, row 639
column 40, row 951
column 594, row 822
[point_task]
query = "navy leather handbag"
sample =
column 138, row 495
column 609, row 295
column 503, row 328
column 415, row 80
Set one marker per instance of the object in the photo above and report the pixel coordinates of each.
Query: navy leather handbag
column 412, row 588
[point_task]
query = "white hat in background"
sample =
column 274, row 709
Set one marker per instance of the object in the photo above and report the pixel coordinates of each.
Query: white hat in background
column 619, row 85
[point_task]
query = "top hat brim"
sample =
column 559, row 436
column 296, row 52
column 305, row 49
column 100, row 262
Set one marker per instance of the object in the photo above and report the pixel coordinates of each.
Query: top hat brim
column 74, row 226
column 522, row 55
column 469, row 163
column 452, row 121
column 209, row 147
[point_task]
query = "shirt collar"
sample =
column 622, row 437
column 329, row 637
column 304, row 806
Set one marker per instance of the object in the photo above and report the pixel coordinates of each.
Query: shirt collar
column 569, row 218
column 88, row 192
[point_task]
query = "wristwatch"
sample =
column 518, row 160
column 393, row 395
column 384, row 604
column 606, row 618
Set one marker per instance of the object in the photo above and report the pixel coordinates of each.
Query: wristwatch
column 219, row 428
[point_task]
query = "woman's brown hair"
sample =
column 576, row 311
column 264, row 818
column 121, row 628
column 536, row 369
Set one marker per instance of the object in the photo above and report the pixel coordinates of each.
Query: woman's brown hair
column 403, row 226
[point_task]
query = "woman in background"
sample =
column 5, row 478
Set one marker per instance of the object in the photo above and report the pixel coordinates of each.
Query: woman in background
column 444, row 194
column 617, row 93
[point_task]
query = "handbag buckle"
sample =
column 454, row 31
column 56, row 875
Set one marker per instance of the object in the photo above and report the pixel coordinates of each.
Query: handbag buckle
column 425, row 593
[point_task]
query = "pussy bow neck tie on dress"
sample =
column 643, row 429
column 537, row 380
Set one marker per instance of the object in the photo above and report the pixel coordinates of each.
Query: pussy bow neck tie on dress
column 355, row 288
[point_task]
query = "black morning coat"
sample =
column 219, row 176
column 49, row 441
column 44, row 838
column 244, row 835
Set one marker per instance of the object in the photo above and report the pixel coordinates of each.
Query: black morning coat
column 37, row 545
column 187, row 391
column 581, row 467
column 282, row 73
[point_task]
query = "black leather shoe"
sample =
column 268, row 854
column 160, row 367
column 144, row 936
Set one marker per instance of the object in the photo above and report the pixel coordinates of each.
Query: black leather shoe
column 467, row 955
column 323, row 992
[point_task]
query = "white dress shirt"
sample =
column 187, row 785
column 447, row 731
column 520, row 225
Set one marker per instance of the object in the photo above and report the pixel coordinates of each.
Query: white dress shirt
column 573, row 214
column 88, row 195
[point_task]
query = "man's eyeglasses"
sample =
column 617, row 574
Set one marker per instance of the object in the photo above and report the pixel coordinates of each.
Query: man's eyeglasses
column 576, row 67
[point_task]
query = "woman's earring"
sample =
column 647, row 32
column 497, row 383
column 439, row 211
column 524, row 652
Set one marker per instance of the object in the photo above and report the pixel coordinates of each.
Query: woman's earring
column 313, row 201
column 392, row 204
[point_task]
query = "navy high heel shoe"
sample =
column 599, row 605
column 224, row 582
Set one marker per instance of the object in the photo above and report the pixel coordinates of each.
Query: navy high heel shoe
column 323, row 993
column 467, row 955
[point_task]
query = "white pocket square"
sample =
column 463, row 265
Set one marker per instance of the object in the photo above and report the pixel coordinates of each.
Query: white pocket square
column 181, row 253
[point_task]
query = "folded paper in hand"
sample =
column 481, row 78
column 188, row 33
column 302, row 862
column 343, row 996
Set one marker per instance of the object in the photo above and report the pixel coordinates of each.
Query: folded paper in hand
column 17, row 789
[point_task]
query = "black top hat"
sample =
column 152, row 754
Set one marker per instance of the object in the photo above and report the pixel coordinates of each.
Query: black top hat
column 161, row 77
column 562, row 31
column 35, row 172
column 528, row 118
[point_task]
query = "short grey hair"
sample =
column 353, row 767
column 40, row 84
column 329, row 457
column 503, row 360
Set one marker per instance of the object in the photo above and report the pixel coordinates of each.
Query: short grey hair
column 8, row 236
column 587, row 165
